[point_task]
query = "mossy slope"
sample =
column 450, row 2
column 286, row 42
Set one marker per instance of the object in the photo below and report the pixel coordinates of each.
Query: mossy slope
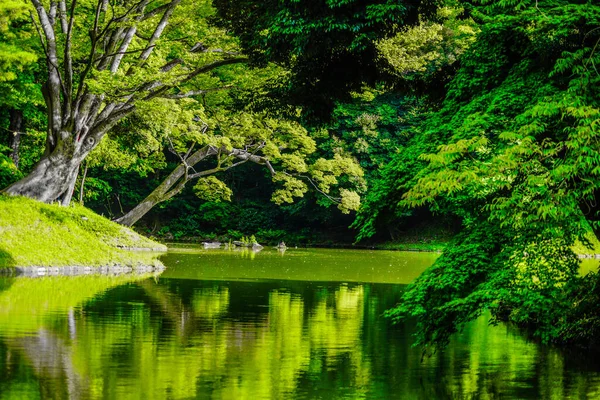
column 33, row 233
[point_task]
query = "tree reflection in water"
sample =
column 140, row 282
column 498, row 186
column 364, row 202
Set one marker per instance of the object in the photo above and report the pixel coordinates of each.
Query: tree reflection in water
column 133, row 337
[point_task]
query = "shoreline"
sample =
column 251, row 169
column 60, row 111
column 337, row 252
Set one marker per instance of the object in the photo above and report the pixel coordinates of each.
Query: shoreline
column 427, row 248
column 41, row 271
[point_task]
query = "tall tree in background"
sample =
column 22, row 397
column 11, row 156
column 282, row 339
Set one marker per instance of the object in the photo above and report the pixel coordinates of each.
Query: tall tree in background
column 17, row 54
column 103, row 58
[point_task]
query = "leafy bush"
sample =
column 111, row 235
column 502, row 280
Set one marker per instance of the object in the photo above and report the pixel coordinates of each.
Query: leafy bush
column 271, row 236
column 8, row 172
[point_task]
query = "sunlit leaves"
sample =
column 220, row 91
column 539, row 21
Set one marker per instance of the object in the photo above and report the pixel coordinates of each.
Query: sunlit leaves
column 350, row 201
column 428, row 46
column 15, row 43
column 292, row 188
column 8, row 171
column 212, row 189
column 328, row 46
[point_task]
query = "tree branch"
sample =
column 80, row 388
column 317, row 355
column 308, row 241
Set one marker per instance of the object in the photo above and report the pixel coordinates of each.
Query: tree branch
column 213, row 65
column 171, row 64
column 208, row 172
column 52, row 13
column 157, row 32
column 122, row 53
column 195, row 92
column 128, row 38
column 94, row 42
column 68, row 62
column 243, row 155
column 117, row 34
column 155, row 11
column 54, row 84
column 336, row 200
column 40, row 35
column 103, row 125
column 178, row 188
column 161, row 88
column 62, row 14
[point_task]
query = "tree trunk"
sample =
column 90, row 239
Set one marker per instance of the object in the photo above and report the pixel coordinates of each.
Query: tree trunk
column 50, row 179
column 68, row 194
column 161, row 193
column 15, row 128
column 138, row 211
column 82, row 187
column 77, row 117
column 173, row 184
column 51, row 358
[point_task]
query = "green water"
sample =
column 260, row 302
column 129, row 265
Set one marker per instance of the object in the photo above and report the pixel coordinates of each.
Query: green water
column 240, row 325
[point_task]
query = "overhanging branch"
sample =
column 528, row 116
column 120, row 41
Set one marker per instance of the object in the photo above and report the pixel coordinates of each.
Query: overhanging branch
column 195, row 92
column 212, row 66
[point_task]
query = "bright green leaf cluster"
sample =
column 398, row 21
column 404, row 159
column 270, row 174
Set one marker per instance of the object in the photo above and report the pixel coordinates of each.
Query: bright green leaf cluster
column 212, row 189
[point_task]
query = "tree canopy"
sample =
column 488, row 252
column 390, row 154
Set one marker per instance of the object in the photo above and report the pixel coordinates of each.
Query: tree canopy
column 329, row 46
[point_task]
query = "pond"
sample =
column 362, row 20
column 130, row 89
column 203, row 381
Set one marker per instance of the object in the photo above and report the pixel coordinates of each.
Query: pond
column 235, row 325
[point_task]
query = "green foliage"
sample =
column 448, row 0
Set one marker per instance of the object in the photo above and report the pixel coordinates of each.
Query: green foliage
column 96, row 189
column 329, row 46
column 15, row 43
column 143, row 148
column 8, row 172
column 424, row 49
column 512, row 152
column 215, row 214
column 372, row 128
column 524, row 280
column 381, row 207
column 272, row 236
column 212, row 189
column 162, row 129
column 19, row 85
column 248, row 241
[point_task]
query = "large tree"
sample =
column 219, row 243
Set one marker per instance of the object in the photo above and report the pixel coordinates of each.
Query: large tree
column 105, row 57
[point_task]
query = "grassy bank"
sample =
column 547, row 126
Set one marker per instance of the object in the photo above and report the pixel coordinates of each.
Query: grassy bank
column 33, row 233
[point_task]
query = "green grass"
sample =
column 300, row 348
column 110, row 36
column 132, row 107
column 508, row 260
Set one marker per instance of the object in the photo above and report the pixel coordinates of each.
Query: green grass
column 38, row 234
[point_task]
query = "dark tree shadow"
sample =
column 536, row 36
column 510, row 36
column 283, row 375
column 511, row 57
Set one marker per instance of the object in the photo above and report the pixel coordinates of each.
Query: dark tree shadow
column 56, row 215
column 6, row 282
column 6, row 260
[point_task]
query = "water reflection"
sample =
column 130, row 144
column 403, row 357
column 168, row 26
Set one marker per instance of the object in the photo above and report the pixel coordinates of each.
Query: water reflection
column 175, row 338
